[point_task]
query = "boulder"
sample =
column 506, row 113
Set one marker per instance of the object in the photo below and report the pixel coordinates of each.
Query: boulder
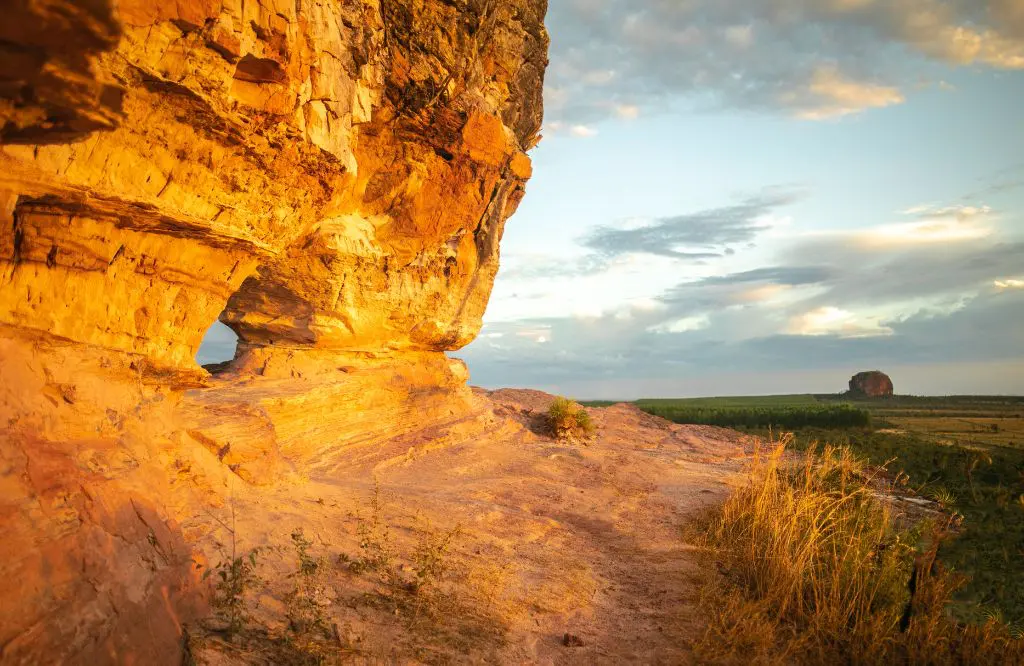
column 871, row 384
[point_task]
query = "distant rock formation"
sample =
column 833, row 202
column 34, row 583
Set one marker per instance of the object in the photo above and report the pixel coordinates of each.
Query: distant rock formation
column 871, row 384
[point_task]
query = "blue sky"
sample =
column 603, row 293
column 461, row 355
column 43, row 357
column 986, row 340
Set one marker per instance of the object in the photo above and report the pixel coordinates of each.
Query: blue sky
column 766, row 196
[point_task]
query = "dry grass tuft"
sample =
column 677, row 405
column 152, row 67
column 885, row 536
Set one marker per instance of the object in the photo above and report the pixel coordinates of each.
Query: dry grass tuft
column 817, row 570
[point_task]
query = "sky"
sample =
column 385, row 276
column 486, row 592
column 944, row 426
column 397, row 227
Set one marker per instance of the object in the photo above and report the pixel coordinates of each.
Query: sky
column 738, row 197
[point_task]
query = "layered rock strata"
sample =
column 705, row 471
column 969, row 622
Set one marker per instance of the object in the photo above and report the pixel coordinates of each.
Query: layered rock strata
column 330, row 179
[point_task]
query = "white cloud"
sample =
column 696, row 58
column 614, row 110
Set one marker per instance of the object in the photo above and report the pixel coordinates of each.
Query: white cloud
column 940, row 231
column 831, row 94
column 557, row 127
column 583, row 131
column 934, row 225
column 764, row 294
column 1009, row 283
column 627, row 111
column 955, row 224
column 682, row 325
column 740, row 36
column 538, row 335
column 599, row 77
column 812, row 59
column 958, row 212
column 830, row 320
column 919, row 209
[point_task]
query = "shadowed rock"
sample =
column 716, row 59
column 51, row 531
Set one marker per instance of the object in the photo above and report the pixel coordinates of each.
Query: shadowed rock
column 871, row 384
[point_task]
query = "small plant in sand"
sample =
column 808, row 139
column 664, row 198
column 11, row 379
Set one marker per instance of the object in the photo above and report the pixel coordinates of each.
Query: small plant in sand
column 236, row 576
column 374, row 540
column 308, row 625
column 570, row 421
column 311, row 637
column 408, row 583
column 430, row 560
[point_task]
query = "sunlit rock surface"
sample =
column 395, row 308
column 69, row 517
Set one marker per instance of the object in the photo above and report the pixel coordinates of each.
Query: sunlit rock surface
column 330, row 182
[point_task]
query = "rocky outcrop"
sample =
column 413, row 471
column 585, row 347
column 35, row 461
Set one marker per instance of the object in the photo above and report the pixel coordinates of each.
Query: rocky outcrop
column 871, row 384
column 335, row 178
column 330, row 179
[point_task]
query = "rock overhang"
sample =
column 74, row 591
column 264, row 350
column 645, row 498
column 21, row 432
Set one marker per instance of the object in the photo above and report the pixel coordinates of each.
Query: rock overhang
column 332, row 183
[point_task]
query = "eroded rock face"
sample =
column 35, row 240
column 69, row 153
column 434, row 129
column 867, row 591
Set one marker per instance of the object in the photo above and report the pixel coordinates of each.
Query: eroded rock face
column 329, row 178
column 341, row 174
column 871, row 384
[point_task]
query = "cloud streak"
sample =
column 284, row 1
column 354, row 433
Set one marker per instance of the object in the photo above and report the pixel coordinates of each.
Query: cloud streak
column 813, row 59
column 702, row 235
column 943, row 287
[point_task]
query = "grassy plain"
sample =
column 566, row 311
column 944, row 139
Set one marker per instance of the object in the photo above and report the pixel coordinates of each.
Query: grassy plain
column 965, row 451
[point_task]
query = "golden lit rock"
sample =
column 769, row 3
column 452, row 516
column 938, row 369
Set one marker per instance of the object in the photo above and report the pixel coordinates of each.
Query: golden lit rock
column 332, row 182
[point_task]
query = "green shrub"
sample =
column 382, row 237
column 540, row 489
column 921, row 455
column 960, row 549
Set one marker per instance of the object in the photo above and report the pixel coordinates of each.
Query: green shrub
column 236, row 576
column 570, row 421
column 309, row 638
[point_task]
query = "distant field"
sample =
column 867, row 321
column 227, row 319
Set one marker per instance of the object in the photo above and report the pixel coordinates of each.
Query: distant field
column 984, row 420
column 968, row 450
column 983, row 430
column 779, row 411
column 797, row 400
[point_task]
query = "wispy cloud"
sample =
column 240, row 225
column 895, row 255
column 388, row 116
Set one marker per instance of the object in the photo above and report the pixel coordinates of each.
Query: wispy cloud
column 830, row 320
column 926, row 290
column 832, row 94
column 1009, row 283
column 582, row 131
column 814, row 59
column 702, row 235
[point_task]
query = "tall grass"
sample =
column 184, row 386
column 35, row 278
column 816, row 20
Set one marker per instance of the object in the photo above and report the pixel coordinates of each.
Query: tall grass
column 990, row 545
column 818, row 569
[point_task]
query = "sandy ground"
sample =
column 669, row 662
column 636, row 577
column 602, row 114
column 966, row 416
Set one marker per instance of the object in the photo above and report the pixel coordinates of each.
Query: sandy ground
column 553, row 539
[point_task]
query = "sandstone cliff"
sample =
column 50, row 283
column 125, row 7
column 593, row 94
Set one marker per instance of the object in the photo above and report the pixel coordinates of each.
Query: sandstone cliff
column 330, row 178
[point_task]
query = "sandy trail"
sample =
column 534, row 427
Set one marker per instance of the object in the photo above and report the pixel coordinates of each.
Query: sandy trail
column 554, row 539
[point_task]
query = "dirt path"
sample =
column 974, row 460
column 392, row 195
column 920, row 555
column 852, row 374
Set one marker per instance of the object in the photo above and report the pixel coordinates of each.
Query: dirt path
column 553, row 539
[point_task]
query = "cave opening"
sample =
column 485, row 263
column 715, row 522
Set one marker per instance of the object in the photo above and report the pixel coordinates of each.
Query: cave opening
column 218, row 347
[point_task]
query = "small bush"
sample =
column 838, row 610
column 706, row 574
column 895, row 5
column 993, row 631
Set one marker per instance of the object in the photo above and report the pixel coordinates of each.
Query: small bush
column 236, row 576
column 431, row 558
column 306, row 604
column 817, row 570
column 376, row 553
column 570, row 421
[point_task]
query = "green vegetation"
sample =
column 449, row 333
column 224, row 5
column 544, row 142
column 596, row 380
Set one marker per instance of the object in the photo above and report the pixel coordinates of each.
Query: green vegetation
column 310, row 632
column 235, row 579
column 441, row 603
column 786, row 417
column 817, row 569
column 570, row 421
column 787, row 412
column 984, row 483
column 967, row 452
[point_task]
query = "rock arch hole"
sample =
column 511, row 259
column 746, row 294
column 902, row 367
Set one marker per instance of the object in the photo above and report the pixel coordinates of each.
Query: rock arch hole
column 218, row 347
